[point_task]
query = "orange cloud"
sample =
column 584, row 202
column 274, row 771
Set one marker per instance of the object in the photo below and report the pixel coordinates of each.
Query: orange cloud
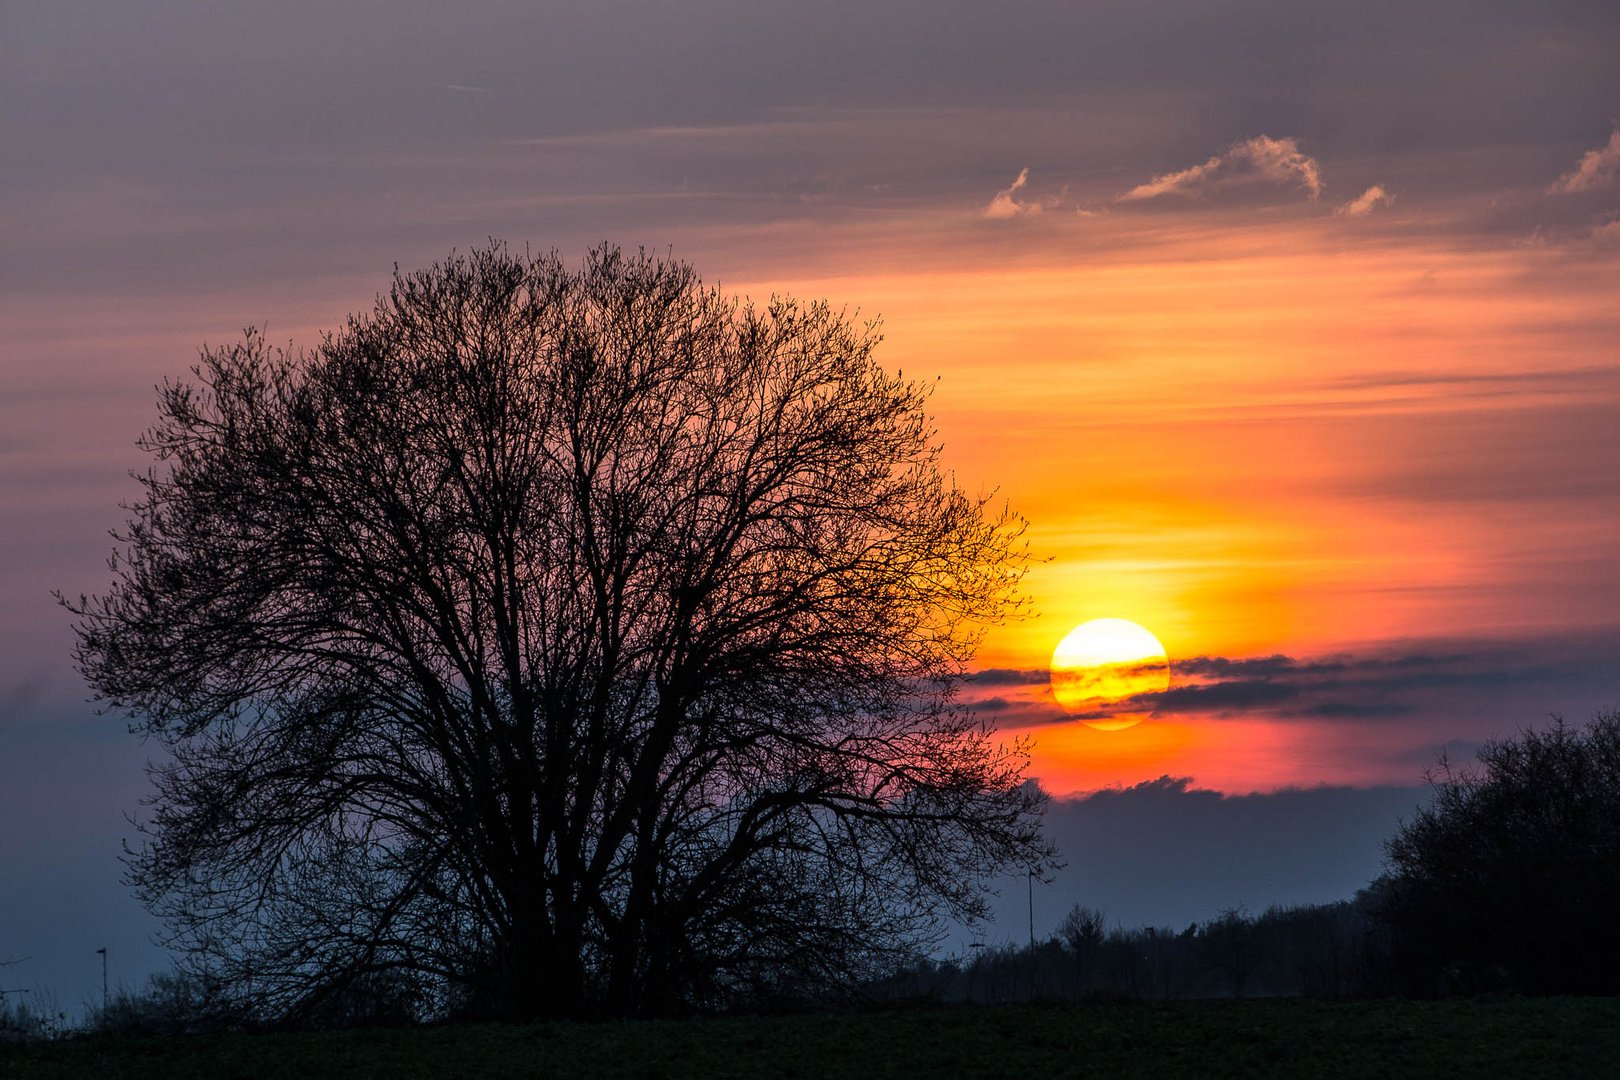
column 1005, row 206
column 1366, row 202
column 1262, row 159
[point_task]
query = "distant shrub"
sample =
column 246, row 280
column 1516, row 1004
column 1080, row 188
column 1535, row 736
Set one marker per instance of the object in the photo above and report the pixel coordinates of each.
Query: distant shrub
column 172, row 1003
column 24, row 1020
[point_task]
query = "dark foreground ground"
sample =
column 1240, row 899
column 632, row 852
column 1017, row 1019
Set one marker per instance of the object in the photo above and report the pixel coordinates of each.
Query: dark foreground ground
column 1567, row 1037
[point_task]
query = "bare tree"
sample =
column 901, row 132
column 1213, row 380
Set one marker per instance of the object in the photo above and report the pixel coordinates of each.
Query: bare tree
column 557, row 641
column 1082, row 933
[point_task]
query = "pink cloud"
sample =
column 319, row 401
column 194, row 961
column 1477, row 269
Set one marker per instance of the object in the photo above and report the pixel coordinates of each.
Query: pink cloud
column 1260, row 159
column 1366, row 202
column 1005, row 206
column 1607, row 234
column 1597, row 169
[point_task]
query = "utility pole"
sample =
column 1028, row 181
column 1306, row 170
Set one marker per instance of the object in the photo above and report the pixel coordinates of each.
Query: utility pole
column 105, row 1001
column 973, row 969
column 1031, row 877
column 13, row 990
column 1032, row 914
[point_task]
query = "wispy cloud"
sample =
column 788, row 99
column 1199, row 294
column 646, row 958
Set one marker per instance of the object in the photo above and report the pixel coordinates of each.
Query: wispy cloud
column 1004, row 205
column 1366, row 202
column 1597, row 169
column 1343, row 687
column 1260, row 160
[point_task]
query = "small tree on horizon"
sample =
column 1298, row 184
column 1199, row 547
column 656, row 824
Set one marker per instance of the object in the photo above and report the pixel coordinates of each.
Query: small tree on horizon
column 573, row 640
column 1082, row 933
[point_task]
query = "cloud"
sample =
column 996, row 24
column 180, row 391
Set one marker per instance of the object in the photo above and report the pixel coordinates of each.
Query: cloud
column 1597, row 169
column 1606, row 234
column 1366, row 202
column 1005, row 206
column 1261, row 160
column 1437, row 678
column 1344, row 687
column 1166, row 852
column 1012, row 677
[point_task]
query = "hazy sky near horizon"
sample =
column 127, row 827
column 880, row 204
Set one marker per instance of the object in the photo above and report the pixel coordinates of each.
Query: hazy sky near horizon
column 1291, row 327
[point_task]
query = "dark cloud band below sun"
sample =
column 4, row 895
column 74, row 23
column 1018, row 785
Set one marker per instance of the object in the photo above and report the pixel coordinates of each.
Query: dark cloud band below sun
column 1338, row 687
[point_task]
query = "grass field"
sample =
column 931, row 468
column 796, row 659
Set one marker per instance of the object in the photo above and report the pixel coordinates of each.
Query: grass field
column 1501, row 1037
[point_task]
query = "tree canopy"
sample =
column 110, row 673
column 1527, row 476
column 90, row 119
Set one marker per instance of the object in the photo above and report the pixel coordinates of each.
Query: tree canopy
column 1510, row 877
column 556, row 640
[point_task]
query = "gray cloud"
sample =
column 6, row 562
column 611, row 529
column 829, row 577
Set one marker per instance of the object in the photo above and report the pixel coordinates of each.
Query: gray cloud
column 1164, row 853
column 183, row 146
column 1350, row 687
column 1011, row 677
column 1533, row 674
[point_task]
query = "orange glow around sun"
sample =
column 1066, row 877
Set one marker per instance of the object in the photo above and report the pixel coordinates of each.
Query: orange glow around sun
column 1277, row 437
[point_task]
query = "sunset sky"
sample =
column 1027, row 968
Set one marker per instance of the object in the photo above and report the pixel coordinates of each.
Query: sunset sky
column 1292, row 328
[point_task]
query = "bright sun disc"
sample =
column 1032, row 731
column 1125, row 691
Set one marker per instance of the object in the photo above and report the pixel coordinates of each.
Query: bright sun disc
column 1101, row 665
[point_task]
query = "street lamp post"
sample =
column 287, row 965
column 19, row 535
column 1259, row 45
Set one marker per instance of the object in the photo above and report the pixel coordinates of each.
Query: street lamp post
column 105, row 1001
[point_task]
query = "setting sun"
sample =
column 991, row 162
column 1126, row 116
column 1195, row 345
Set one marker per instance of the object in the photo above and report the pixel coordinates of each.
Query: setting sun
column 1102, row 666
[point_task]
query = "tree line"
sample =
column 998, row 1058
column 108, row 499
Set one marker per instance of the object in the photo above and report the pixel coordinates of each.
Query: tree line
column 1506, row 881
column 1337, row 950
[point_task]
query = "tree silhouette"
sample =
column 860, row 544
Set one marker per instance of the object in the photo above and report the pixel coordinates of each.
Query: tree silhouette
column 1510, row 878
column 556, row 641
column 1082, row 933
column 1230, row 948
